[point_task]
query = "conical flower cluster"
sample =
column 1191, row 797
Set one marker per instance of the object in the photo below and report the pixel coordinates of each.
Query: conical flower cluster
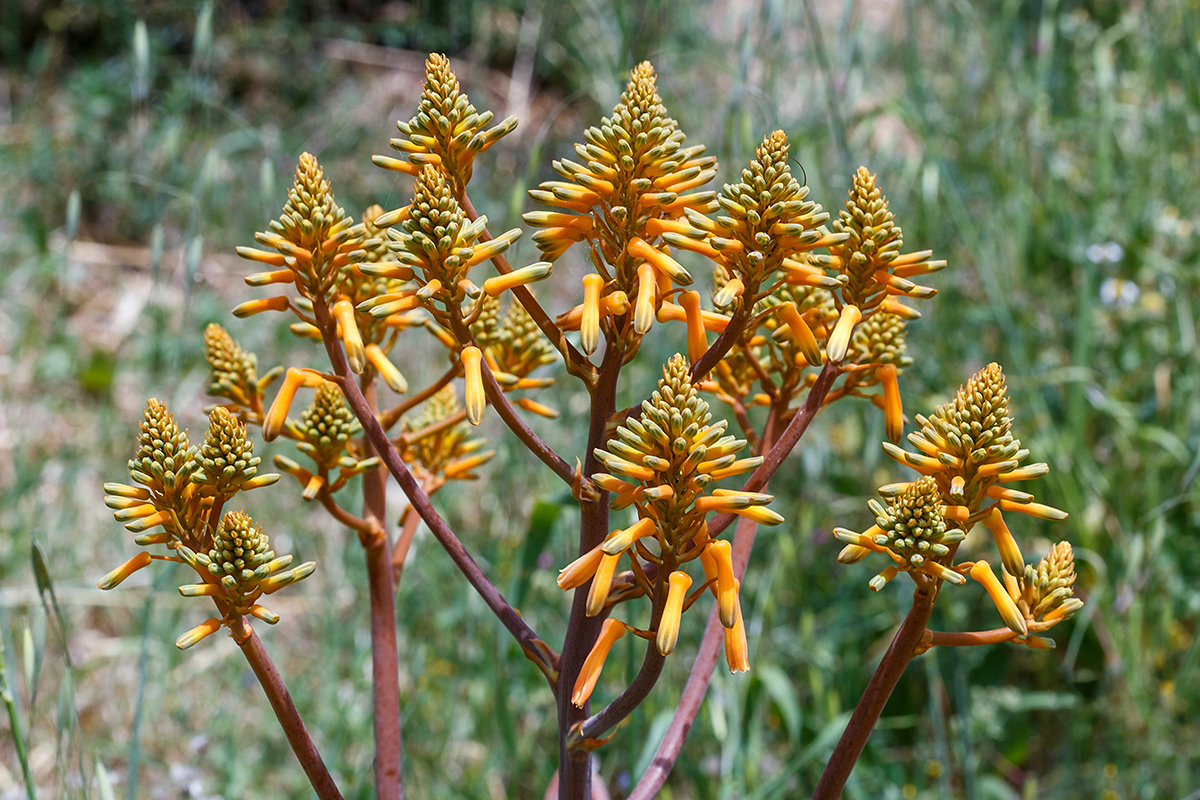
column 768, row 224
column 437, row 247
column 912, row 529
column 312, row 240
column 447, row 132
column 244, row 568
column 968, row 454
column 324, row 434
column 662, row 463
column 869, row 264
column 234, row 373
column 635, row 175
column 227, row 460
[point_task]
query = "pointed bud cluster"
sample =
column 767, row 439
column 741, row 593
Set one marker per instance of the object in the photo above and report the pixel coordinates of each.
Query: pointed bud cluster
column 227, row 461
column 447, row 132
column 324, row 434
column 768, row 224
column 234, row 374
column 661, row 463
column 913, row 531
column 438, row 246
column 967, row 446
column 633, row 180
column 312, row 240
column 1048, row 593
column 436, row 442
column 165, row 460
column 244, row 568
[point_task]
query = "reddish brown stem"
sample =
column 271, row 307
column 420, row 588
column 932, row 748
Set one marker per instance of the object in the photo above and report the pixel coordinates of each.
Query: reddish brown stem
column 966, row 638
column 409, row 522
column 573, row 767
column 289, row 718
column 534, row 648
column 385, row 659
column 870, row 705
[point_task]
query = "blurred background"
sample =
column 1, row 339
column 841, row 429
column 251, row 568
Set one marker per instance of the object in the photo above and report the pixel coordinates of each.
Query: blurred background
column 1047, row 150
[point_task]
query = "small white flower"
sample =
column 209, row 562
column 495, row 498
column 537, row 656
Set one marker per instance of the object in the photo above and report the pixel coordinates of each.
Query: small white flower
column 1107, row 253
column 1118, row 293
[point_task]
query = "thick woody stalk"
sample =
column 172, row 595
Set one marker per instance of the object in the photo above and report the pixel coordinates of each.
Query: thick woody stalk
column 574, row 771
column 385, row 660
column 870, row 705
column 289, row 718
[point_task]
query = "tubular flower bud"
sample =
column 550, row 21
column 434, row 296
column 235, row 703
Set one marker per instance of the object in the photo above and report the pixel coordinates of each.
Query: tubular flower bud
column 520, row 277
column 668, row 625
column 662, row 461
column 276, row 417
column 982, row 572
column 868, row 257
column 726, row 582
column 343, row 312
column 1010, row 553
column 252, row 307
column 839, row 340
column 447, row 130
column 589, row 324
column 581, row 570
column 114, row 578
column 610, row 632
column 802, row 335
column 198, row 633
column 387, row 370
column 643, row 309
column 601, row 583
column 696, row 339
column 893, row 410
column 473, row 375
column 737, row 652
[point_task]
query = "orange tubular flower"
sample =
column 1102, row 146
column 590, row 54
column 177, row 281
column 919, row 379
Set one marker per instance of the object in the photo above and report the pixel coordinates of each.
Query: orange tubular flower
column 610, row 632
column 661, row 462
column 632, row 168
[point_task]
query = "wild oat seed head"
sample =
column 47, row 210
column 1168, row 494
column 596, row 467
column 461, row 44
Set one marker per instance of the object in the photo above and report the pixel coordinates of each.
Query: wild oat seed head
column 227, row 457
column 164, row 460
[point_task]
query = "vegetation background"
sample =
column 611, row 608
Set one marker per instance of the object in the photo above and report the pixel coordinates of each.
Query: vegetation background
column 1047, row 150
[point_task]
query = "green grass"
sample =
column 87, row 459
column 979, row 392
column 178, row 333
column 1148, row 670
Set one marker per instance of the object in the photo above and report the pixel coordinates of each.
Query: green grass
column 1009, row 137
